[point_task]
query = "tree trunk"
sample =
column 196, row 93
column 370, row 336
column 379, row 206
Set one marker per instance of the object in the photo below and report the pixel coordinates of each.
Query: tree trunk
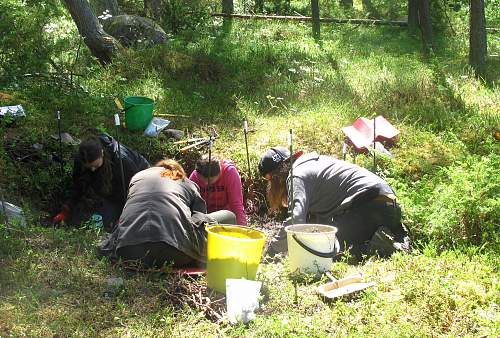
column 259, row 6
column 368, row 7
column 227, row 6
column 425, row 24
column 109, row 6
column 412, row 15
column 112, row 7
column 153, row 9
column 101, row 45
column 315, row 18
column 346, row 3
column 156, row 8
column 477, row 38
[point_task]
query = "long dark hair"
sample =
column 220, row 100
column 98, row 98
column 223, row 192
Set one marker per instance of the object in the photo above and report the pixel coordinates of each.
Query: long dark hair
column 206, row 168
column 90, row 150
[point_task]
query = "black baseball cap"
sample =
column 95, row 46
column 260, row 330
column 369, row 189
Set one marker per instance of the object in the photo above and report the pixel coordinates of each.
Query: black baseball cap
column 272, row 158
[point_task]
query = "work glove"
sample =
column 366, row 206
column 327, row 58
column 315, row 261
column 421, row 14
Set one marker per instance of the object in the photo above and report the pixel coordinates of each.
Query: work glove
column 61, row 216
column 385, row 244
column 277, row 244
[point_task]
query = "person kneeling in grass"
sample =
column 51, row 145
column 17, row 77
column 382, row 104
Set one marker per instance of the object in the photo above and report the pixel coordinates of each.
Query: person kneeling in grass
column 163, row 220
column 225, row 186
column 97, row 181
column 360, row 204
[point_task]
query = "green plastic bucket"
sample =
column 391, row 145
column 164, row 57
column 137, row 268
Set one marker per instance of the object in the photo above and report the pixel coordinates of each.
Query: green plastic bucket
column 138, row 112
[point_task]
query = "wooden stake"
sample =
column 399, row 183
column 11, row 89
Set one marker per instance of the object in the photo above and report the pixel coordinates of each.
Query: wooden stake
column 172, row 115
column 290, row 203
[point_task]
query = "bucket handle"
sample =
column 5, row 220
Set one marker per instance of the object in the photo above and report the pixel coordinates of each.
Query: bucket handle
column 120, row 106
column 331, row 255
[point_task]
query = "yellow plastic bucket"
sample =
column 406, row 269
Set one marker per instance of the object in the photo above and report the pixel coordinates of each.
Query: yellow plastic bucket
column 232, row 252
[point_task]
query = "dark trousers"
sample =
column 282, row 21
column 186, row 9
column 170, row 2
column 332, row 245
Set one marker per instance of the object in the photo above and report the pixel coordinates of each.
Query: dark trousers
column 358, row 224
column 154, row 254
column 109, row 210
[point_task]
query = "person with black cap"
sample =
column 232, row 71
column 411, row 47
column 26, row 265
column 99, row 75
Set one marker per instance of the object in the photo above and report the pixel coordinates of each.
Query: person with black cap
column 271, row 160
column 97, row 180
column 329, row 191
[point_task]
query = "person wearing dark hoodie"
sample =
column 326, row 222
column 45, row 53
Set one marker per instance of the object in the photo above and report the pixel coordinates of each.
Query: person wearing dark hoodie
column 97, row 180
column 163, row 221
column 360, row 204
column 220, row 186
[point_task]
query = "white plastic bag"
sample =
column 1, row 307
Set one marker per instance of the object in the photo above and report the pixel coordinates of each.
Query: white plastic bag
column 156, row 125
column 14, row 213
column 14, row 111
column 242, row 299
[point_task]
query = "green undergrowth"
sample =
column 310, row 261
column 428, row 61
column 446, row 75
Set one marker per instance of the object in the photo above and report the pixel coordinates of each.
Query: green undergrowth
column 278, row 77
column 53, row 284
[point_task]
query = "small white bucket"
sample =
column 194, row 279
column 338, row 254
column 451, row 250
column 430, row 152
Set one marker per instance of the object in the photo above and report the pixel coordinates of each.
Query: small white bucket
column 311, row 247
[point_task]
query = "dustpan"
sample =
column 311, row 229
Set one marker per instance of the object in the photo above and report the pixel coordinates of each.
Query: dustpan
column 344, row 286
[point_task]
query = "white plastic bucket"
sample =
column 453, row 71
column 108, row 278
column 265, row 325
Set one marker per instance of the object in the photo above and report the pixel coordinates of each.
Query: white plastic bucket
column 311, row 247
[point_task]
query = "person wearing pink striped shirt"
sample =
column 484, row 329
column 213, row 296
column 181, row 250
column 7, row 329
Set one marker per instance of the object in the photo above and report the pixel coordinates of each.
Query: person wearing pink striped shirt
column 225, row 186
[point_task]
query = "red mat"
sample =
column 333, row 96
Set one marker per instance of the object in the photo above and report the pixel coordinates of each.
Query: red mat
column 191, row 271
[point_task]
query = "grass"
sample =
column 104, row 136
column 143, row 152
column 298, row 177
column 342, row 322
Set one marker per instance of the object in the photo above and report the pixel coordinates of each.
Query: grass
column 444, row 171
column 52, row 284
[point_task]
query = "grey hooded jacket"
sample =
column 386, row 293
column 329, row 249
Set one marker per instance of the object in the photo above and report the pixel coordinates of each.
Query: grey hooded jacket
column 323, row 187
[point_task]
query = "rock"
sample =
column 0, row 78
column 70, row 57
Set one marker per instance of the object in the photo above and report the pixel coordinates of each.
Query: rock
column 115, row 282
column 133, row 29
column 67, row 139
column 37, row 146
column 174, row 133
column 114, row 286
column 13, row 111
column 57, row 293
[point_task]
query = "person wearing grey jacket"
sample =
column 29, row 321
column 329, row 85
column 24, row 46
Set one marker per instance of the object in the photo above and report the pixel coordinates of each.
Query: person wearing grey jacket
column 163, row 220
column 360, row 204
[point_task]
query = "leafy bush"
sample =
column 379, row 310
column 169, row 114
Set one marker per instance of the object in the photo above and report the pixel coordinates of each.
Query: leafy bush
column 185, row 14
column 458, row 205
column 28, row 44
column 172, row 15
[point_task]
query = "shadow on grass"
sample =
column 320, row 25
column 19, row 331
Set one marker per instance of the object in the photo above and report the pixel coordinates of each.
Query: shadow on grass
column 52, row 277
column 258, row 70
column 368, row 41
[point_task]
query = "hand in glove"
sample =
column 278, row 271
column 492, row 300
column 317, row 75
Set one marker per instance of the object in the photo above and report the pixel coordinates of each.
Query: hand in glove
column 61, row 216
column 278, row 242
